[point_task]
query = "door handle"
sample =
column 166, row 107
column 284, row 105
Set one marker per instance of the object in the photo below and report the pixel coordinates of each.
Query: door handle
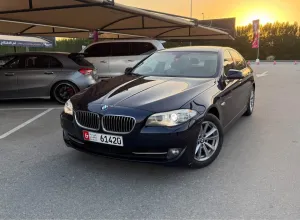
column 48, row 73
column 9, row 74
column 103, row 61
column 227, row 98
column 130, row 60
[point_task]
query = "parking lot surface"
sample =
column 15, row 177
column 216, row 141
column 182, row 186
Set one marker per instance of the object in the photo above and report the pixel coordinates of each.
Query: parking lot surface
column 255, row 176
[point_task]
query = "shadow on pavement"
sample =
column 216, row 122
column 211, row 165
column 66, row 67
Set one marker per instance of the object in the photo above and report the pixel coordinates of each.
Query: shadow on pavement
column 29, row 103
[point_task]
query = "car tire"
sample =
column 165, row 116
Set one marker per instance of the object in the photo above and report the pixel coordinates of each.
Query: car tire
column 251, row 102
column 194, row 153
column 63, row 91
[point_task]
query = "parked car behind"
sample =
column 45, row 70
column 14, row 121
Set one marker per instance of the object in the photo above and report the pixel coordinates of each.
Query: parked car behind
column 174, row 106
column 111, row 58
column 44, row 75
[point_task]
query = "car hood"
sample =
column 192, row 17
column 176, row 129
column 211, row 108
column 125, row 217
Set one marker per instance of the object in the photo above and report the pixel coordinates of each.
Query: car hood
column 149, row 93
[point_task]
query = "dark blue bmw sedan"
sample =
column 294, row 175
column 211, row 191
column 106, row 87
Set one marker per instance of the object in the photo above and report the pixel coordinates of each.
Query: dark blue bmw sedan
column 174, row 106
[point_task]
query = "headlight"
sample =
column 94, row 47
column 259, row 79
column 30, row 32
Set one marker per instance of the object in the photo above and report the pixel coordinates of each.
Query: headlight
column 68, row 109
column 171, row 118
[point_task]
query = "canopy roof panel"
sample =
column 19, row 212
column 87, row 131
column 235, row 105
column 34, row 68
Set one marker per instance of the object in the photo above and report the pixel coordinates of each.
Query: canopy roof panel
column 20, row 28
column 75, row 18
column 27, row 4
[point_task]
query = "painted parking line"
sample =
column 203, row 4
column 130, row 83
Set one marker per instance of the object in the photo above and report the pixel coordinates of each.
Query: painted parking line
column 262, row 74
column 16, row 109
column 25, row 123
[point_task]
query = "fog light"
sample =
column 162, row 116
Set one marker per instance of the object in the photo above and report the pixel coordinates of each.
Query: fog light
column 173, row 152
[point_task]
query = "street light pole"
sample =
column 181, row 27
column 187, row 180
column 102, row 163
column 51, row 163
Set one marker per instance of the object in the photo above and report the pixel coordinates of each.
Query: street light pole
column 191, row 8
column 203, row 15
column 191, row 15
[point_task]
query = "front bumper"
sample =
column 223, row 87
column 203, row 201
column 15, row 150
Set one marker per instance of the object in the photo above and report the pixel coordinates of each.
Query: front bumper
column 146, row 145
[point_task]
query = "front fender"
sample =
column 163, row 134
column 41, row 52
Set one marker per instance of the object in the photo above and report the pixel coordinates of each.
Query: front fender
column 206, row 102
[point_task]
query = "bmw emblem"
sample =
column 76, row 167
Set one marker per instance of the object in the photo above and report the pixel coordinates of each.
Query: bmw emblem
column 104, row 107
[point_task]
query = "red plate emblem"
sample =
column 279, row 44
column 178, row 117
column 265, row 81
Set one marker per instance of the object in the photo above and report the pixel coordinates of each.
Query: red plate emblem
column 86, row 135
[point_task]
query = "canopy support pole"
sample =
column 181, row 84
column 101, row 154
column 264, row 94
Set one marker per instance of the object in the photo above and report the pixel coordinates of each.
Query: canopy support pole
column 30, row 4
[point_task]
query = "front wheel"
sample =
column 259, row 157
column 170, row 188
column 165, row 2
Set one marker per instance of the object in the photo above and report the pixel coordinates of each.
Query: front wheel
column 208, row 144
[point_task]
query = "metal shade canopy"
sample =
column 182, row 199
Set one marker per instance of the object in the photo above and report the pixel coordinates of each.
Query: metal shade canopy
column 21, row 41
column 21, row 28
column 75, row 18
column 29, row 29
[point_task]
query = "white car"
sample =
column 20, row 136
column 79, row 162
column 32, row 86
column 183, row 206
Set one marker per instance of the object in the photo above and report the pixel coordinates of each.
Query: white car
column 111, row 58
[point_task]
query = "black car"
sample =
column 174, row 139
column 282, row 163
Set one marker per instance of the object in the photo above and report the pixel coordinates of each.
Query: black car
column 174, row 106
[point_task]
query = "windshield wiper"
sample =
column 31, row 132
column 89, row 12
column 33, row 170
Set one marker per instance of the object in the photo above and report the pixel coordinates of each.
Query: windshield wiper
column 135, row 74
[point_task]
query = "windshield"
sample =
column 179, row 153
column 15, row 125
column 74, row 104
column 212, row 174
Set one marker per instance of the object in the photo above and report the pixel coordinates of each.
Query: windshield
column 179, row 64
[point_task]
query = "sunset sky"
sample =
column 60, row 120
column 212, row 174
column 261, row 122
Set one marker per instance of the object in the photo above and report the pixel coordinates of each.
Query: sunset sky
column 244, row 10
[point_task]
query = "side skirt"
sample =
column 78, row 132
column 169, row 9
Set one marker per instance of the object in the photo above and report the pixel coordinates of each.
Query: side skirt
column 237, row 117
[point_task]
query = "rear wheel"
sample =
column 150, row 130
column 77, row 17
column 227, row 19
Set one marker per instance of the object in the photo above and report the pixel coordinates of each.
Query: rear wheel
column 208, row 144
column 63, row 91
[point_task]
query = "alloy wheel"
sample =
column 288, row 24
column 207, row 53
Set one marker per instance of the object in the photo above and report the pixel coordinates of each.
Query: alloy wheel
column 63, row 92
column 207, row 142
column 252, row 100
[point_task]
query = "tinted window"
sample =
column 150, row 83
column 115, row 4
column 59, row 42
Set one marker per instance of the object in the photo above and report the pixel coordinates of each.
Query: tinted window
column 228, row 62
column 179, row 64
column 41, row 62
column 30, row 61
column 5, row 59
column 120, row 49
column 79, row 60
column 98, row 50
column 239, row 60
column 54, row 63
column 13, row 64
column 140, row 48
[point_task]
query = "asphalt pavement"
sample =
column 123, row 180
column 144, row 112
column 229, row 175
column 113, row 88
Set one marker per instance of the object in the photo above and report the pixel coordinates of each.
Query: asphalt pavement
column 255, row 176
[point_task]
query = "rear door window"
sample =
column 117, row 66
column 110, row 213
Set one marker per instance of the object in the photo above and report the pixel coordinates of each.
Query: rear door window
column 30, row 61
column 98, row 50
column 41, row 62
column 120, row 49
column 54, row 63
column 79, row 60
column 142, row 48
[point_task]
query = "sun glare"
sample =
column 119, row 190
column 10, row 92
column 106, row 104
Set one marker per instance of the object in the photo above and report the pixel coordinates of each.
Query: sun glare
column 263, row 15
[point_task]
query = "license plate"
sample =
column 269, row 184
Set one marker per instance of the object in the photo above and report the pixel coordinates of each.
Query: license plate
column 103, row 138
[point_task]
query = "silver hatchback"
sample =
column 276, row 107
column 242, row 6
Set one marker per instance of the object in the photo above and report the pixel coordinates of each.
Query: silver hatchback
column 44, row 75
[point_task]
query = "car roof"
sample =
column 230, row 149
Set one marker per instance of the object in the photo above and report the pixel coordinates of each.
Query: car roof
column 128, row 40
column 157, row 43
column 37, row 53
column 63, row 57
column 197, row 48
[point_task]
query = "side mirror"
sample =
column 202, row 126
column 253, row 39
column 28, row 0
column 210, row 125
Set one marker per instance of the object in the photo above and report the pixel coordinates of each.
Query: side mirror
column 235, row 74
column 128, row 70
